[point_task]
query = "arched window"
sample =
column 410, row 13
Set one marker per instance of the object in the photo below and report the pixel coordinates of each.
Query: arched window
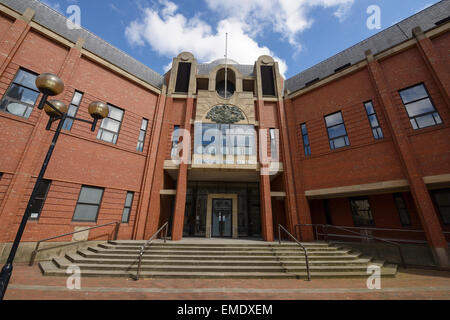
column 220, row 83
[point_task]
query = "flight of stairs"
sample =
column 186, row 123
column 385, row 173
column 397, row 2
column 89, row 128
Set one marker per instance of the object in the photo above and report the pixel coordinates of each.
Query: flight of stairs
column 260, row 260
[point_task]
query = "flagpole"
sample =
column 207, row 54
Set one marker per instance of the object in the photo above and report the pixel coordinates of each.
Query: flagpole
column 226, row 63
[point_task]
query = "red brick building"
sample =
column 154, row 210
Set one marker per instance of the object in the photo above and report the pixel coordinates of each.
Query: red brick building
column 360, row 140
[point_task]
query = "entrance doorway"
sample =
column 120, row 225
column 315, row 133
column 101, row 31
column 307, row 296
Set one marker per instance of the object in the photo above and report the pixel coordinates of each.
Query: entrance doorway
column 222, row 217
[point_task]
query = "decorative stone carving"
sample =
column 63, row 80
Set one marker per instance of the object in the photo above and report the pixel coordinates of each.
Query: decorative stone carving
column 225, row 114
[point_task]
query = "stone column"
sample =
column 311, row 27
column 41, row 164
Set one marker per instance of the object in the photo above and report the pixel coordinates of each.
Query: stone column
column 303, row 211
column 150, row 169
column 419, row 191
column 180, row 200
column 437, row 67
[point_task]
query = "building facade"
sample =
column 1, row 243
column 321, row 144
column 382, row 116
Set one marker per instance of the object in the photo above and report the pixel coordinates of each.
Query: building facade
column 222, row 149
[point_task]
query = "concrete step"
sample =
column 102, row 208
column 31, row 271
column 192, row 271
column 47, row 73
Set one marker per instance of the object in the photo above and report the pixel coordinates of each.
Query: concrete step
column 222, row 252
column 110, row 255
column 50, row 269
column 222, row 245
column 218, row 248
column 78, row 259
column 212, row 261
column 64, row 263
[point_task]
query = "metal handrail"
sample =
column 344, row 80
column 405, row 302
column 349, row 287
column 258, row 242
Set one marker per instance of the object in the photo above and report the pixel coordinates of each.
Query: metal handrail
column 346, row 229
column 141, row 253
column 298, row 242
column 36, row 249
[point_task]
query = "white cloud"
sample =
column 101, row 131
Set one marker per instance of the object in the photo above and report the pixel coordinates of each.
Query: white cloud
column 168, row 32
column 288, row 17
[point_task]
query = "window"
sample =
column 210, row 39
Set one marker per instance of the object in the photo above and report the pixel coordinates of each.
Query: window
column 127, row 207
column 142, row 133
column 1, row 175
column 362, row 214
column 175, row 140
column 39, row 200
column 273, row 144
column 21, row 95
column 268, row 82
column 73, row 108
column 420, row 109
column 442, row 200
column 88, row 204
column 183, row 77
column 337, row 134
column 373, row 119
column 306, row 146
column 109, row 129
column 402, row 210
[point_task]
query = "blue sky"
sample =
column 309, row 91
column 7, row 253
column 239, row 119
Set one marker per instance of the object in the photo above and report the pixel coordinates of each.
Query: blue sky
column 298, row 33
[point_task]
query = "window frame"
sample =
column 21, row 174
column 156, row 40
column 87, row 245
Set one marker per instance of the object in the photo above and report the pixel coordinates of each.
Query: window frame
column 68, row 123
column 43, row 199
column 306, row 147
column 274, row 144
column 438, row 207
column 27, row 105
column 91, row 204
column 379, row 134
column 174, row 142
column 115, row 134
column 330, row 140
column 399, row 210
column 127, row 207
column 413, row 118
column 355, row 221
column 142, row 143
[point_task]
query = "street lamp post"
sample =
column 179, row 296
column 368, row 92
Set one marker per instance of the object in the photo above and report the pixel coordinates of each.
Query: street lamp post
column 49, row 85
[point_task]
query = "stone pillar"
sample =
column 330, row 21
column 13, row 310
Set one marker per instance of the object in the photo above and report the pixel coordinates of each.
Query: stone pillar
column 303, row 211
column 419, row 191
column 180, row 200
column 437, row 67
column 150, row 168
column 149, row 219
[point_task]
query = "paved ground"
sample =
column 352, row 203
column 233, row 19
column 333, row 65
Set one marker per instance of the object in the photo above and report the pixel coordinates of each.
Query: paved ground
column 28, row 283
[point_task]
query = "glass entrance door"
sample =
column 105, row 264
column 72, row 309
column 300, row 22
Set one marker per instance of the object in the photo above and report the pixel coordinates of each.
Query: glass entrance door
column 222, row 213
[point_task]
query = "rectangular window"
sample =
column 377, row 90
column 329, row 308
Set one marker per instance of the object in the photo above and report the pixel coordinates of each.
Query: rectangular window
column 183, row 77
column 373, row 119
column 73, row 109
column 39, row 200
column 362, row 214
column 442, row 200
column 175, row 140
column 306, row 145
column 268, row 82
column 88, row 204
column 273, row 144
column 109, row 129
column 127, row 207
column 21, row 95
column 421, row 111
column 402, row 210
column 142, row 133
column 337, row 134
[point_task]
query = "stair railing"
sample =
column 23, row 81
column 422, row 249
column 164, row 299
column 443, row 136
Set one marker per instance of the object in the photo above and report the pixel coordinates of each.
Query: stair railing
column 145, row 245
column 358, row 235
column 280, row 227
column 36, row 249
